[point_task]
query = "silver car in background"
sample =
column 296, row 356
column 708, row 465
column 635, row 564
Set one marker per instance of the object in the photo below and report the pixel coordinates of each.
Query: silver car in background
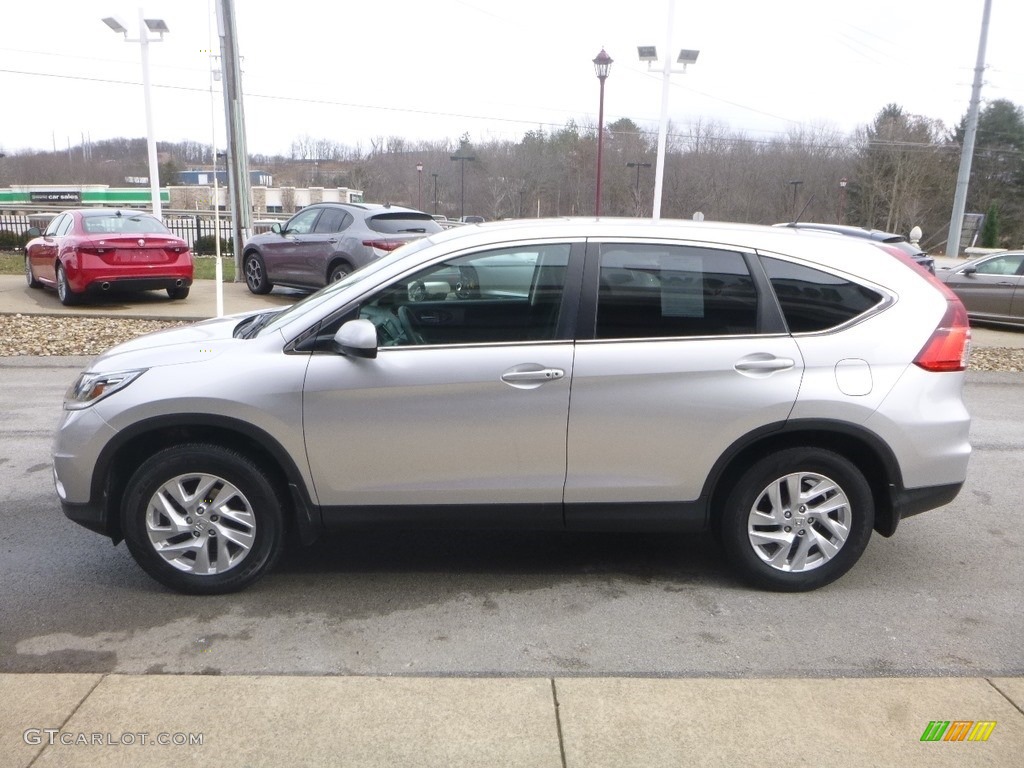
column 790, row 391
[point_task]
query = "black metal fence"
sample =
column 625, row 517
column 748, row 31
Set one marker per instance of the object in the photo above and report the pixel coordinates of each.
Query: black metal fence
column 198, row 230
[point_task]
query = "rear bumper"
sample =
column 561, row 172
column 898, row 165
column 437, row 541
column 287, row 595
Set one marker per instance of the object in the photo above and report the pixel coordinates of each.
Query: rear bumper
column 126, row 284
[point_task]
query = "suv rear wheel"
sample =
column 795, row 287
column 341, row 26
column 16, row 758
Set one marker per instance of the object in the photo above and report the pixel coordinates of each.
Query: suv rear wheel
column 797, row 519
column 202, row 519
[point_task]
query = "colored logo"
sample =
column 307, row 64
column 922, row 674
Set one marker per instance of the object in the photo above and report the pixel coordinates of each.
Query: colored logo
column 958, row 730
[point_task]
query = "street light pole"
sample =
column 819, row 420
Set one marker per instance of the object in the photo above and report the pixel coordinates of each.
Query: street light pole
column 419, row 186
column 435, row 191
column 796, row 185
column 842, row 200
column 638, row 166
column 602, row 66
column 145, row 26
column 462, row 159
column 649, row 54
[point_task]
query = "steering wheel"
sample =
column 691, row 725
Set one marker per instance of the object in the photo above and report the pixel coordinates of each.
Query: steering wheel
column 408, row 327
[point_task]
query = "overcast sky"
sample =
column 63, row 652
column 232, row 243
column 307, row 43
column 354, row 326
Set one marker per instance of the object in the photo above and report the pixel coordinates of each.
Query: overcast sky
column 349, row 71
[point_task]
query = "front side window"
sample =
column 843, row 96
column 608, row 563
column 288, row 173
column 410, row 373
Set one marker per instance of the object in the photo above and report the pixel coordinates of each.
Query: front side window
column 814, row 300
column 51, row 228
column 658, row 291
column 302, row 222
column 1002, row 265
column 499, row 296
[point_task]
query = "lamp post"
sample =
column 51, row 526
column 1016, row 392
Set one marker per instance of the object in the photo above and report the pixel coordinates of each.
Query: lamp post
column 218, row 267
column 146, row 26
column 435, row 191
column 462, row 159
column 602, row 66
column 638, row 166
column 649, row 53
column 796, row 185
column 419, row 186
column 842, row 200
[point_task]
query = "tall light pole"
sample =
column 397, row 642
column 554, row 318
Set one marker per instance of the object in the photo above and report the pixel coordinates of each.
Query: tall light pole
column 462, row 159
column 146, row 26
column 638, row 166
column 963, row 178
column 419, row 186
column 435, row 191
column 796, row 184
column 602, row 66
column 649, row 54
column 842, row 200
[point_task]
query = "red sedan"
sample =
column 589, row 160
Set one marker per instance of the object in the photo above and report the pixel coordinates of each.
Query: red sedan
column 99, row 250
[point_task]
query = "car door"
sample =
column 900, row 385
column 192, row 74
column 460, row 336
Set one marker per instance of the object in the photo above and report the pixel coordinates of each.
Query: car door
column 1017, row 302
column 989, row 289
column 43, row 254
column 464, row 408
column 680, row 365
column 282, row 255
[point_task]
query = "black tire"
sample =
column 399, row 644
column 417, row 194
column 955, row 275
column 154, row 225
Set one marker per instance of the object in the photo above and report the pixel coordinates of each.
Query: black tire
column 30, row 276
column 339, row 272
column 217, row 495
column 178, row 293
column 256, row 274
column 808, row 543
column 64, row 292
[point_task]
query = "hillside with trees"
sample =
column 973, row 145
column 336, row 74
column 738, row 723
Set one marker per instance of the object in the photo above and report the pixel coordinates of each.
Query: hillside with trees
column 899, row 171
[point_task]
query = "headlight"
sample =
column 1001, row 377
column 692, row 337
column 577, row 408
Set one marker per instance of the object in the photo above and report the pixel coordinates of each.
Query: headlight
column 90, row 388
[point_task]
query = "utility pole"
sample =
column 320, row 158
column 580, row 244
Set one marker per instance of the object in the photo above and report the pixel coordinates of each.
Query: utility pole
column 956, row 221
column 462, row 161
column 238, row 153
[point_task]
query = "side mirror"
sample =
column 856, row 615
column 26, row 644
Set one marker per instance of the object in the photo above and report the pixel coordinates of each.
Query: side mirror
column 276, row 228
column 969, row 271
column 357, row 338
column 33, row 232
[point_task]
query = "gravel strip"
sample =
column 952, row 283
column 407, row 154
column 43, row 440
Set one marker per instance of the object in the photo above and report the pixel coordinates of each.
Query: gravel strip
column 68, row 335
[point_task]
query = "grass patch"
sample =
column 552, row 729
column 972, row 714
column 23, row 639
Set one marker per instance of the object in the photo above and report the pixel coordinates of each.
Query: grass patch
column 13, row 263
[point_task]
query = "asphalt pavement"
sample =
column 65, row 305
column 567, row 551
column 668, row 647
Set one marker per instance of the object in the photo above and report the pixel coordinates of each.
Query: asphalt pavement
column 320, row 720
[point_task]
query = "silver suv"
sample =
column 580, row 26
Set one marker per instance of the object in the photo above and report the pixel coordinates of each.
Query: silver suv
column 791, row 391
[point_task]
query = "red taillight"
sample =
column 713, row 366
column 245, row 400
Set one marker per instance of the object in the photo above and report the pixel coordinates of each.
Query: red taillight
column 383, row 245
column 93, row 250
column 950, row 344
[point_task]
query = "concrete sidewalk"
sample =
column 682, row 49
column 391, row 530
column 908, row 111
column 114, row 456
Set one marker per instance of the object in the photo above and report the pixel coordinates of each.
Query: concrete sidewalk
column 91, row 720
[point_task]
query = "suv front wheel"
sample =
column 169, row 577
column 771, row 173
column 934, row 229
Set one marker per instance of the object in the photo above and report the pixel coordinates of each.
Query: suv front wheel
column 797, row 519
column 202, row 519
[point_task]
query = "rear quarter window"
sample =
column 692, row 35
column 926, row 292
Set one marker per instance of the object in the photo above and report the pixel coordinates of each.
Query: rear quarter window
column 815, row 300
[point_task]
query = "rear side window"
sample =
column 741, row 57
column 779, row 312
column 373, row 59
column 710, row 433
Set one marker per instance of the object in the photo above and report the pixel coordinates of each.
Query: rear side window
column 814, row 300
column 403, row 223
column 663, row 291
column 332, row 220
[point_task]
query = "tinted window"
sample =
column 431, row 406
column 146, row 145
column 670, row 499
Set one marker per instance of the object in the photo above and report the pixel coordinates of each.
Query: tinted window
column 813, row 300
column 65, row 226
column 117, row 224
column 500, row 296
column 403, row 222
column 332, row 220
column 663, row 290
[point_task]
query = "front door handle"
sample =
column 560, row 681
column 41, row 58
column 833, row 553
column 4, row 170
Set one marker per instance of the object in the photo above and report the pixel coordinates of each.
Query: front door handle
column 765, row 364
column 525, row 377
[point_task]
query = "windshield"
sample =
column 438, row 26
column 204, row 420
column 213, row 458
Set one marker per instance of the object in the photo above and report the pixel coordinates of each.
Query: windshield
column 326, row 294
column 134, row 224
